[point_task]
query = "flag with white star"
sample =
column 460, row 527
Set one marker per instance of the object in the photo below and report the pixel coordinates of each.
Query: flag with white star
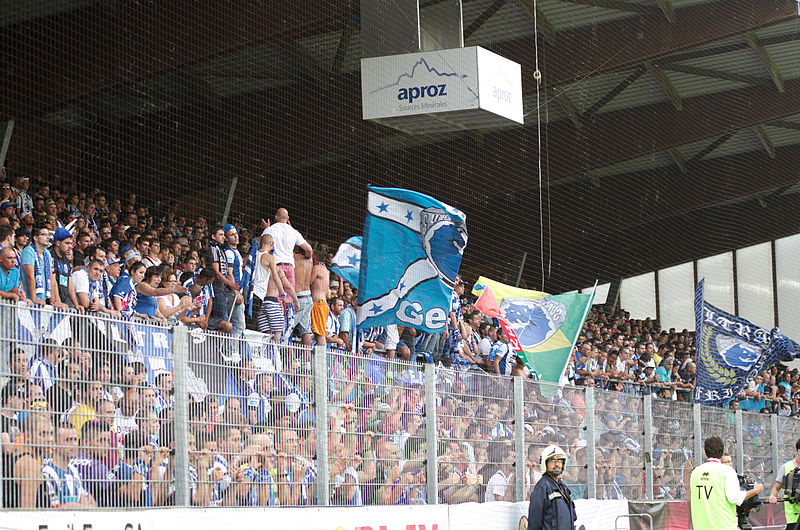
column 411, row 253
column 347, row 262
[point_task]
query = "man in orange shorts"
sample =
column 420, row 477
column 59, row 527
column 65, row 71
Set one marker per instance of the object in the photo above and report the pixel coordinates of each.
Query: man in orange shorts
column 320, row 286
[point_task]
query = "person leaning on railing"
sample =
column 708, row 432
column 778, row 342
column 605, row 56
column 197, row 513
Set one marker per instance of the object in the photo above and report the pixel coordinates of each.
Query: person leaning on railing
column 9, row 276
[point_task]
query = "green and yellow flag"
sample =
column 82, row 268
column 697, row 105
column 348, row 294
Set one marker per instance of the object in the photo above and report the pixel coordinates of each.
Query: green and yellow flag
column 546, row 325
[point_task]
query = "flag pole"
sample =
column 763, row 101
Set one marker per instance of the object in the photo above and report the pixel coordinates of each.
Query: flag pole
column 583, row 322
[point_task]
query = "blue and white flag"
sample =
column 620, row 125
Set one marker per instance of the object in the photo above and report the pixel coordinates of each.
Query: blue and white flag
column 150, row 345
column 731, row 351
column 248, row 275
column 347, row 262
column 265, row 354
column 35, row 325
column 411, row 255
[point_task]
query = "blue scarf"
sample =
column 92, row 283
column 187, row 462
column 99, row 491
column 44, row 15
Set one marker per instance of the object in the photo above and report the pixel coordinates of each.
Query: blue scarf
column 42, row 279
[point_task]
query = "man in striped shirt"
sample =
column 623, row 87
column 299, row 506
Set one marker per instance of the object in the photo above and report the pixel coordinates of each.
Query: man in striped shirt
column 62, row 479
column 43, row 365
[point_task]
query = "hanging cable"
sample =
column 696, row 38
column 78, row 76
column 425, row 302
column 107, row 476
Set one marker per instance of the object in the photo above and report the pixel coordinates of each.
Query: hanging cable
column 537, row 76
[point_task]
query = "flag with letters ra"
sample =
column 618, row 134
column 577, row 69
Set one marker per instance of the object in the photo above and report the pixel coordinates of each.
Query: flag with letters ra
column 731, row 351
column 546, row 325
column 347, row 262
column 410, row 257
column 150, row 345
column 36, row 325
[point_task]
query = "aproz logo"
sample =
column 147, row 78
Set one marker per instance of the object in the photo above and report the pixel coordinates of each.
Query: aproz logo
column 411, row 94
column 417, row 92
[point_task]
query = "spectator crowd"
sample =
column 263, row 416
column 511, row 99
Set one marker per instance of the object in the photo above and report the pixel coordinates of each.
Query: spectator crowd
column 85, row 425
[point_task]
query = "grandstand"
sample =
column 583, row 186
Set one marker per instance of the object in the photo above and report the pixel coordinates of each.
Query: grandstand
column 664, row 150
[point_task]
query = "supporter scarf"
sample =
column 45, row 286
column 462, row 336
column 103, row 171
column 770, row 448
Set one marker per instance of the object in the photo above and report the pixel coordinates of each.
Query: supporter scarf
column 41, row 273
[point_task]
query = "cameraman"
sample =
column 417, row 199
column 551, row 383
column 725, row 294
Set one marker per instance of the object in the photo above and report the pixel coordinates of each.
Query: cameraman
column 715, row 492
column 791, row 509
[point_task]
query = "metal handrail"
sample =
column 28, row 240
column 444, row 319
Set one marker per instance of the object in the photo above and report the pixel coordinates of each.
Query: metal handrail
column 631, row 516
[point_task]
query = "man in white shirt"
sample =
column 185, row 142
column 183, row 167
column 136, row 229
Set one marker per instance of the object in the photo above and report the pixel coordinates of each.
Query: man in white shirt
column 91, row 290
column 286, row 238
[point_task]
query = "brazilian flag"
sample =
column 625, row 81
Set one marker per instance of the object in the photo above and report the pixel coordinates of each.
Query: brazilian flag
column 546, row 325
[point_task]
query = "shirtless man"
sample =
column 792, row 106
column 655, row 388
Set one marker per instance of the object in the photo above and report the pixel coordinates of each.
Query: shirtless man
column 320, row 286
column 302, row 278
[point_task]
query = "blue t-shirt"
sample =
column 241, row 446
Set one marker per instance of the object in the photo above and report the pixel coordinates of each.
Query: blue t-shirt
column 9, row 281
column 206, row 294
column 126, row 291
column 347, row 323
column 234, row 260
column 503, row 351
column 663, row 374
column 28, row 257
column 63, row 485
column 146, row 305
column 123, row 474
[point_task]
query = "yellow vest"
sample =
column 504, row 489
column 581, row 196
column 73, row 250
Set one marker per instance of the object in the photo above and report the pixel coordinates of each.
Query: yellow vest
column 711, row 509
column 792, row 511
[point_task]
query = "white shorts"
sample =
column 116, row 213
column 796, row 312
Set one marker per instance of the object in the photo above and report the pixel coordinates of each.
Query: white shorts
column 392, row 337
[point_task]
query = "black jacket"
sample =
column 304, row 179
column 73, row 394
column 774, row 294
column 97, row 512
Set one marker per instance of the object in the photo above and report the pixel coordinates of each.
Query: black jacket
column 551, row 507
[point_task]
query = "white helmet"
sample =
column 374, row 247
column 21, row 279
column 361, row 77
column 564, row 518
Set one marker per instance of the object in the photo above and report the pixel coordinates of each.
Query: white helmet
column 550, row 452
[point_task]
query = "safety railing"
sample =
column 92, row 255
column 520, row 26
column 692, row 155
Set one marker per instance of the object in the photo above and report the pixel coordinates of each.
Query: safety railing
column 127, row 414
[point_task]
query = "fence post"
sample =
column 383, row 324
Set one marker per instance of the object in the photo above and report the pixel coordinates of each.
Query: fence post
column 519, row 438
column 591, row 471
column 431, row 464
column 738, row 441
column 180, row 356
column 648, row 446
column 697, row 434
column 321, row 405
column 773, row 420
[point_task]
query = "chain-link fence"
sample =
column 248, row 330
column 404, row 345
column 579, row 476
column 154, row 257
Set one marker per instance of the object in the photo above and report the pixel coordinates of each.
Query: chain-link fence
column 556, row 415
column 128, row 413
column 756, row 446
column 475, row 437
column 722, row 423
column 673, row 449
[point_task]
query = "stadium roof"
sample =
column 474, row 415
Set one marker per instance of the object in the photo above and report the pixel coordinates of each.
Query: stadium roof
column 671, row 128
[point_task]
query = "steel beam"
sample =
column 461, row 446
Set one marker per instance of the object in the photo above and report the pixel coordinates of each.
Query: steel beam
column 763, row 136
column 483, row 17
column 716, row 74
column 765, row 58
column 618, row 5
column 669, row 88
column 612, row 46
column 677, row 157
column 713, row 182
column 568, row 107
column 668, row 9
column 614, row 92
column 7, row 130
